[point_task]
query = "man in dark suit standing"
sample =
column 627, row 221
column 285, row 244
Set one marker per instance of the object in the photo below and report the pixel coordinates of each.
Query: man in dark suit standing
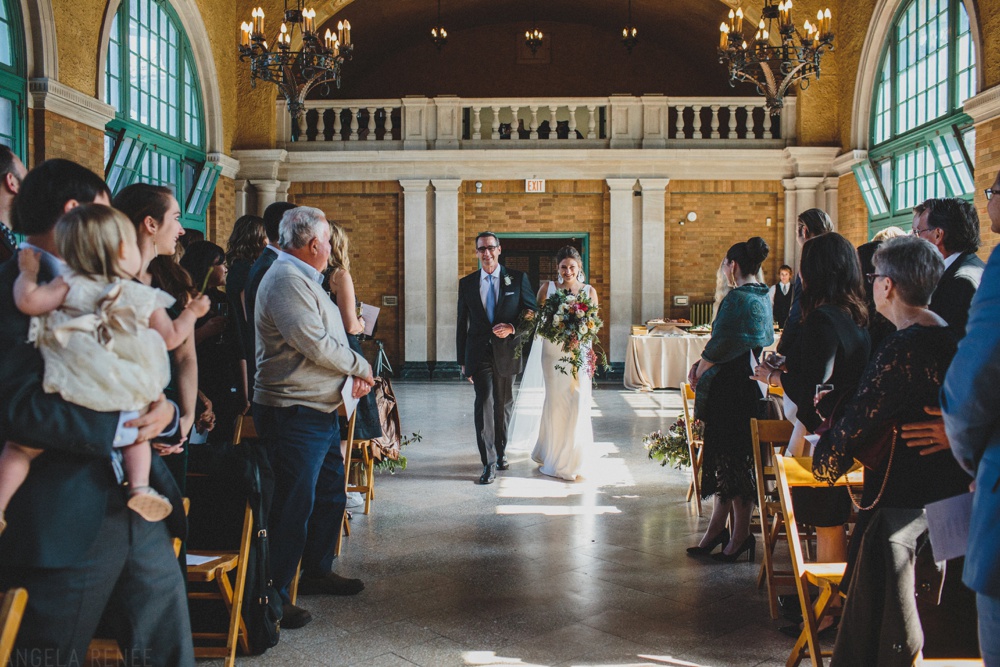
column 70, row 540
column 952, row 225
column 490, row 300
column 12, row 172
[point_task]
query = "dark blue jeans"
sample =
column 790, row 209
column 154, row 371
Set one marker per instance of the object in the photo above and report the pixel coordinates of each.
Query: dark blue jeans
column 309, row 489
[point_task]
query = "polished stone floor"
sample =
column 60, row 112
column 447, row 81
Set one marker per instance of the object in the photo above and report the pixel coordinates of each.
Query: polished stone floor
column 531, row 570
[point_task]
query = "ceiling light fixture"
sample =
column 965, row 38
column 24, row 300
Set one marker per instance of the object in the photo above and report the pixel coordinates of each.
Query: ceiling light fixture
column 438, row 34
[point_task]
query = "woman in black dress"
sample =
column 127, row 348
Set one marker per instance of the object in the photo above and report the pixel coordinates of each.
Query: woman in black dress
column 246, row 243
column 833, row 349
column 341, row 284
column 727, row 398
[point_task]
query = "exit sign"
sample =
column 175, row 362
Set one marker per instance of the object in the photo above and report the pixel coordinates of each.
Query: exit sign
column 534, row 185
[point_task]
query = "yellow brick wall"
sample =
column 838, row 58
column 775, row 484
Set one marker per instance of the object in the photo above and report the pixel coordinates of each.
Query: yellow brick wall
column 567, row 207
column 728, row 212
column 987, row 166
column 370, row 213
column 852, row 214
column 221, row 214
column 55, row 136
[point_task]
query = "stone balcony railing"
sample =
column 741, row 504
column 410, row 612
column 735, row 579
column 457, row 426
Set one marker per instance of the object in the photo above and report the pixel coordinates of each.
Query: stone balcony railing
column 619, row 121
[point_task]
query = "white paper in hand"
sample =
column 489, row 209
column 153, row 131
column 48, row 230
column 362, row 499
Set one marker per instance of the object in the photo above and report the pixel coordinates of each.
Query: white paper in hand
column 370, row 315
column 948, row 523
column 347, row 395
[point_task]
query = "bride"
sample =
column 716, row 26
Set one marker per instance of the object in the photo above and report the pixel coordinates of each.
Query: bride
column 564, row 431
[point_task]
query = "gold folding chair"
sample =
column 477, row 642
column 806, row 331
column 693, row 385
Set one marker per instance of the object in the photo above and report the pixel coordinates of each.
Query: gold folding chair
column 217, row 570
column 768, row 436
column 826, row 577
column 12, row 604
column 695, row 447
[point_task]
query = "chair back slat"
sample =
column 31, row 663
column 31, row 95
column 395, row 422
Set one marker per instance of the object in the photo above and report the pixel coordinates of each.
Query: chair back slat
column 694, row 446
column 12, row 604
column 788, row 511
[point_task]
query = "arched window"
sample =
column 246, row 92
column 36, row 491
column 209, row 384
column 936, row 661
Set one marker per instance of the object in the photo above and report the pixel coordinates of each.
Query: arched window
column 157, row 135
column 13, row 83
column 922, row 145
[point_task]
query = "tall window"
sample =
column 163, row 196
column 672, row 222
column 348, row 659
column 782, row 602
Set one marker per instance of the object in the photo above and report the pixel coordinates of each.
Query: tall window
column 922, row 145
column 13, row 83
column 157, row 135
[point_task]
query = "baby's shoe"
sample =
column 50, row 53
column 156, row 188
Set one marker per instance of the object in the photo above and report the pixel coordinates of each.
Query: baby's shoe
column 149, row 504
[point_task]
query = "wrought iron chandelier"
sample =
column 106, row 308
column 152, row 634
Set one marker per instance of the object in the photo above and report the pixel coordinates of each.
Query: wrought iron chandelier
column 438, row 34
column 533, row 38
column 630, row 34
column 318, row 61
column 773, row 68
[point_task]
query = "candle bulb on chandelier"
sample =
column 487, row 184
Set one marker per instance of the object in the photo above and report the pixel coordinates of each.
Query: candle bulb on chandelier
column 283, row 37
column 347, row 33
column 739, row 20
column 723, row 36
column 245, row 29
column 340, row 31
column 260, row 21
column 827, row 20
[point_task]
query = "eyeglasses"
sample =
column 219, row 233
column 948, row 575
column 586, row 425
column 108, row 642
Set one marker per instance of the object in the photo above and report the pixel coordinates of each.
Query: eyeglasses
column 872, row 276
column 487, row 248
column 918, row 232
column 990, row 192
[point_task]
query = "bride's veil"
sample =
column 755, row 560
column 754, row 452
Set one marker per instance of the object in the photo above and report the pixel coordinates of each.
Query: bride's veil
column 527, row 413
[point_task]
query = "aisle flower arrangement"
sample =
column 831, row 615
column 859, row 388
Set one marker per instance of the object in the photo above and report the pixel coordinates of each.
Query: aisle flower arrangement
column 572, row 322
column 671, row 448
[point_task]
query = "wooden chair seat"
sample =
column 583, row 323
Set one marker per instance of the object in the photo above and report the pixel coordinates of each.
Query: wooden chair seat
column 831, row 571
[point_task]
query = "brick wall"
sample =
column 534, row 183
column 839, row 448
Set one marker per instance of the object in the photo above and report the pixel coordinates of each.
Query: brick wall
column 728, row 212
column 852, row 214
column 221, row 214
column 370, row 214
column 567, row 207
column 55, row 136
column 987, row 166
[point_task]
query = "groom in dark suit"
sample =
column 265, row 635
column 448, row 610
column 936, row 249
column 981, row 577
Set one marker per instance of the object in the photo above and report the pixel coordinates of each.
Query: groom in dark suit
column 490, row 300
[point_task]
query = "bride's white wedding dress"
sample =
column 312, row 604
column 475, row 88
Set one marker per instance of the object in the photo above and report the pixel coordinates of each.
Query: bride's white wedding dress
column 565, row 434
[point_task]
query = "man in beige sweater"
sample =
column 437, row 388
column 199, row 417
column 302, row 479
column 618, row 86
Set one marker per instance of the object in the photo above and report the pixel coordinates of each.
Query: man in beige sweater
column 303, row 362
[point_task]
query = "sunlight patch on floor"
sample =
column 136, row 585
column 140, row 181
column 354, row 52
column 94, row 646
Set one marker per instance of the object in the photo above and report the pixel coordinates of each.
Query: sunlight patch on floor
column 559, row 510
column 491, row 659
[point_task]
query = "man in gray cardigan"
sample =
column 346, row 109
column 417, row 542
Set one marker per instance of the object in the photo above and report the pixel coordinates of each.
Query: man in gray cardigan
column 303, row 362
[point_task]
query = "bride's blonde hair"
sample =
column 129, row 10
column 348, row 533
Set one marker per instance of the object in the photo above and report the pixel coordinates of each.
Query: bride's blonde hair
column 90, row 238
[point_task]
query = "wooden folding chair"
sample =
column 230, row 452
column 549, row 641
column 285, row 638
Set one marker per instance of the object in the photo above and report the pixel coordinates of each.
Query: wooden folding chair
column 768, row 436
column 346, row 527
column 359, row 465
column 216, row 570
column 12, row 605
column 826, row 577
column 695, row 446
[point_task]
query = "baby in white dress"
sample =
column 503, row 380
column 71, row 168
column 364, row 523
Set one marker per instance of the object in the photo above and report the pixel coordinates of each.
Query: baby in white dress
column 103, row 336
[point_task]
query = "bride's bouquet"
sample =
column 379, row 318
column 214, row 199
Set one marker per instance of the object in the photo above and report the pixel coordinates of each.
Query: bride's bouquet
column 570, row 321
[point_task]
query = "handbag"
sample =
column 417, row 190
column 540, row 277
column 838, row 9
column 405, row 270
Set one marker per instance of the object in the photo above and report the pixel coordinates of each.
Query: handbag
column 872, row 454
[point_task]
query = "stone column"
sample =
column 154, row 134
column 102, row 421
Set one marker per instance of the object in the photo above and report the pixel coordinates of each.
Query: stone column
column 830, row 186
column 416, row 296
column 243, row 201
column 281, row 194
column 653, row 246
column 266, row 194
column 791, row 217
column 621, row 230
column 446, row 249
column 805, row 198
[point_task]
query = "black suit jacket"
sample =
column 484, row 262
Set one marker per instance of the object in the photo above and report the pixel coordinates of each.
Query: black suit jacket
column 954, row 292
column 55, row 515
column 256, row 274
column 475, row 331
column 7, row 248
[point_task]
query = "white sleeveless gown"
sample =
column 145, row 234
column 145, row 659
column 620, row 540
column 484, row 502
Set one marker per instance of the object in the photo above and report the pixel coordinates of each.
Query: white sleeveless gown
column 565, row 434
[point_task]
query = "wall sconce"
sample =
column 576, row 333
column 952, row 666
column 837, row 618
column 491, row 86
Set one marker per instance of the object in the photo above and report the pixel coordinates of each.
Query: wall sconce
column 690, row 217
column 767, row 221
column 479, row 187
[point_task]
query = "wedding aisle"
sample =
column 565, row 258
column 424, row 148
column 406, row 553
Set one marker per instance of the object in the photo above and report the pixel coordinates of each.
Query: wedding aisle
column 531, row 570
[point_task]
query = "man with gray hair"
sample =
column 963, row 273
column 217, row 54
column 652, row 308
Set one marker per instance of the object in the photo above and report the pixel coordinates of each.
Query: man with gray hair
column 303, row 364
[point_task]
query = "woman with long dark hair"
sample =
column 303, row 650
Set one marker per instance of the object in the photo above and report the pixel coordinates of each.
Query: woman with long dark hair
column 246, row 243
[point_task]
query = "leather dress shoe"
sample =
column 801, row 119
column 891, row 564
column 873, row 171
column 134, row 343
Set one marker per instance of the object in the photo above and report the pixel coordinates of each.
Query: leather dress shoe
column 293, row 617
column 330, row 584
column 489, row 473
column 502, row 463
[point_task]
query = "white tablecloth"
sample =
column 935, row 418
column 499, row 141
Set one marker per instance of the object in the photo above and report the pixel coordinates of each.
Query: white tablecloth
column 658, row 362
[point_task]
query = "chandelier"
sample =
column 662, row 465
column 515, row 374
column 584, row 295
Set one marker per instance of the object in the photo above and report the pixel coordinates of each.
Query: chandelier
column 630, row 34
column 438, row 34
column 318, row 61
column 533, row 38
column 773, row 68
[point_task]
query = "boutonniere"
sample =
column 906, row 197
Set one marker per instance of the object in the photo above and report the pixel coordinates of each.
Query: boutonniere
column 506, row 281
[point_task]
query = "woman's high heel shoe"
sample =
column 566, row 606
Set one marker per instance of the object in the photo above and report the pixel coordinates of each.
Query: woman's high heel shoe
column 749, row 546
column 722, row 538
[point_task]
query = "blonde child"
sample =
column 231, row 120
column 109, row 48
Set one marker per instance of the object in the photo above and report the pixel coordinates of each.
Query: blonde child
column 103, row 336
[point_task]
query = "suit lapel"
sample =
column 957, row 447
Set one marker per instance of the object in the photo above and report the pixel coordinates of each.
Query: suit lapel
column 475, row 297
column 500, row 289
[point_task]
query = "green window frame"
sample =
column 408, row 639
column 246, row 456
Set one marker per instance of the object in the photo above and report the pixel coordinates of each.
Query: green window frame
column 158, row 134
column 922, row 144
column 13, row 80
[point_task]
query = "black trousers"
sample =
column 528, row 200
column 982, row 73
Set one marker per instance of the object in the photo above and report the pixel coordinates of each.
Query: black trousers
column 129, row 576
column 494, row 404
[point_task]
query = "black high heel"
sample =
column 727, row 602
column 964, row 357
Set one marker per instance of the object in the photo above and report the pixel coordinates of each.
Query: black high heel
column 722, row 538
column 749, row 546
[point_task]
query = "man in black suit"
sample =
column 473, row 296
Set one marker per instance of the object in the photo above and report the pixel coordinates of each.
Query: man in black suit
column 272, row 219
column 70, row 540
column 952, row 225
column 490, row 300
column 12, row 172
